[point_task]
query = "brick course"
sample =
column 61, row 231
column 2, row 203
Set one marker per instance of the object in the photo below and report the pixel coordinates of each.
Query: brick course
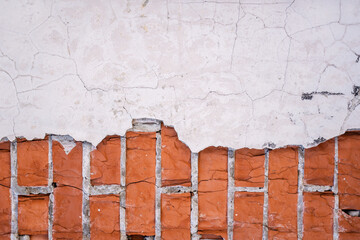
column 147, row 184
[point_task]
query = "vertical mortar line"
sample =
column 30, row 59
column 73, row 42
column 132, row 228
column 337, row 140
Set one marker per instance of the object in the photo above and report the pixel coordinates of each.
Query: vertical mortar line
column 14, row 195
column 300, row 203
column 86, row 190
column 158, row 187
column 335, row 191
column 51, row 196
column 266, row 196
column 194, row 198
column 123, row 185
column 231, row 185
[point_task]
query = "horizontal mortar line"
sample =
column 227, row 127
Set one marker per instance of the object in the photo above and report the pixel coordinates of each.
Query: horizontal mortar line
column 106, row 189
column 248, row 189
column 21, row 190
column 175, row 189
column 317, row 188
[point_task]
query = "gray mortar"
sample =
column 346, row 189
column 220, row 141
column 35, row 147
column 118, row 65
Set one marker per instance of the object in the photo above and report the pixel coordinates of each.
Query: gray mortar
column 231, row 184
column 123, row 185
column 300, row 203
column 146, row 125
column 86, row 190
column 51, row 196
column 14, row 195
column 335, row 190
column 317, row 188
column 266, row 196
column 175, row 189
column 248, row 189
column 158, row 187
column 105, row 189
column 194, row 198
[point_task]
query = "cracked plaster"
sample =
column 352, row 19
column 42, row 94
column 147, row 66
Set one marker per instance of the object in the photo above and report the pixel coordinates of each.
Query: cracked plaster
column 230, row 73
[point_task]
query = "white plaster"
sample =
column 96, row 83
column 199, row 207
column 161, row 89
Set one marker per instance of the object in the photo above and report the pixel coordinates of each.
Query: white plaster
column 228, row 73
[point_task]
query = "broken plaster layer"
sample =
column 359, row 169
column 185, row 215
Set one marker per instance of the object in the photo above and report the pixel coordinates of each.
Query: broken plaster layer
column 233, row 73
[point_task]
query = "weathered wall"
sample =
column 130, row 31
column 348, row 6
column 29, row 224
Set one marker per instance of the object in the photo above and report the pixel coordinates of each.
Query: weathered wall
column 232, row 73
column 148, row 183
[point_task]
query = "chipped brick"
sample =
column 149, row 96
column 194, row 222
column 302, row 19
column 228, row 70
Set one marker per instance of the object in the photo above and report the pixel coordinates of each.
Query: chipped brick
column 249, row 167
column 33, row 159
column 105, row 162
column 175, row 159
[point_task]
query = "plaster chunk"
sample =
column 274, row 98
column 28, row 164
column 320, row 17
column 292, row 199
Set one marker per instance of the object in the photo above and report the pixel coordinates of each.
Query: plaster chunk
column 238, row 74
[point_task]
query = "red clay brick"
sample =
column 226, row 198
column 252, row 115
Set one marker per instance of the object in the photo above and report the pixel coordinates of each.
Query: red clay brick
column 140, row 182
column 318, row 215
column 5, row 202
column 105, row 217
column 175, row 159
column 213, row 191
column 349, row 184
column 175, row 216
column 248, row 215
column 319, row 164
column 283, row 193
column 67, row 167
column 33, row 215
column 249, row 167
column 68, row 193
column 33, row 161
column 105, row 162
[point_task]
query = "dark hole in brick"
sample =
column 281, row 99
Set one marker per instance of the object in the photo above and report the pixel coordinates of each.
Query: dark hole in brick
column 210, row 237
column 139, row 237
column 352, row 212
column 54, row 184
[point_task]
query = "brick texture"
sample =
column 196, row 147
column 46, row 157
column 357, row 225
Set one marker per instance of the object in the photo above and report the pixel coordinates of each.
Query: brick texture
column 115, row 190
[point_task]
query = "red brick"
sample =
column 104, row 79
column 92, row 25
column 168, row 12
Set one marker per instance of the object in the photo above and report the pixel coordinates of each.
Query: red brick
column 33, row 162
column 5, row 202
column 68, row 193
column 318, row 215
column 67, row 213
column 348, row 226
column 213, row 191
column 175, row 159
column 140, row 182
column 105, row 162
column 282, row 214
column 249, row 167
column 105, row 217
column 349, row 171
column 33, row 214
column 67, row 167
column 248, row 215
column 175, row 216
column 319, row 164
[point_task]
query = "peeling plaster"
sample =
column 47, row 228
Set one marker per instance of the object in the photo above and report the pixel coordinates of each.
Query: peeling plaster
column 231, row 73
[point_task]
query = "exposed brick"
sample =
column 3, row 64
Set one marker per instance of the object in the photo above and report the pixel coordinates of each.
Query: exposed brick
column 213, row 191
column 319, row 164
column 5, row 202
column 67, row 167
column 105, row 162
column 248, row 215
column 249, row 167
column 318, row 215
column 68, row 193
column 283, row 193
column 175, row 159
column 105, row 217
column 349, row 171
column 33, row 215
column 175, row 216
column 349, row 184
column 140, row 182
column 33, row 161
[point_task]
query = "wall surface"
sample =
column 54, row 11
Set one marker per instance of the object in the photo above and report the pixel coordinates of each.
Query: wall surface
column 249, row 73
column 149, row 185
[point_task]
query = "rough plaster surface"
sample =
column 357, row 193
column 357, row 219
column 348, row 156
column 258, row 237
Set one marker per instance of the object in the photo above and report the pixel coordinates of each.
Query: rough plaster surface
column 251, row 73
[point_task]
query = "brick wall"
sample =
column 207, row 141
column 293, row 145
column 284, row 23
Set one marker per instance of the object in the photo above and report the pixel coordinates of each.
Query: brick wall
column 149, row 185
